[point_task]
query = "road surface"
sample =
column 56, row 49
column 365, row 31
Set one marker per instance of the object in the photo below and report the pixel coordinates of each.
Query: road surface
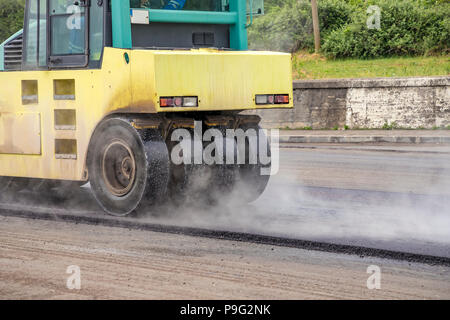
column 117, row 263
column 389, row 197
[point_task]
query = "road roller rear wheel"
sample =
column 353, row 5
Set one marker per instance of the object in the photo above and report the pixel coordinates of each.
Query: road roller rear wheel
column 225, row 175
column 221, row 183
column 240, row 183
column 252, row 181
column 127, row 167
column 190, row 182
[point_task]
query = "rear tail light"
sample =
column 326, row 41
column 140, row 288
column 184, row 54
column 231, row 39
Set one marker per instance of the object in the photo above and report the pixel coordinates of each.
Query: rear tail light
column 176, row 102
column 272, row 99
column 166, row 102
column 190, row 102
column 282, row 99
column 262, row 99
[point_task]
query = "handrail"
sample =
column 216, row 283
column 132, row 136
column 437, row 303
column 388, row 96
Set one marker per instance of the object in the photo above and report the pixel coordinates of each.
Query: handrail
column 15, row 35
column 2, row 48
column 204, row 17
column 236, row 18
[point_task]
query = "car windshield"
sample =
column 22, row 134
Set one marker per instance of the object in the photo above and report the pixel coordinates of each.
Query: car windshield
column 200, row 5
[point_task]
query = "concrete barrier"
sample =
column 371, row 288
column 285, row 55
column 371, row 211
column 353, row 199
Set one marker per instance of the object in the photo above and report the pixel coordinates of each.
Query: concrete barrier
column 365, row 103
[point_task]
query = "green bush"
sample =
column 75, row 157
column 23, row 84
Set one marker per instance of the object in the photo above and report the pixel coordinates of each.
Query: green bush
column 11, row 17
column 407, row 28
column 333, row 14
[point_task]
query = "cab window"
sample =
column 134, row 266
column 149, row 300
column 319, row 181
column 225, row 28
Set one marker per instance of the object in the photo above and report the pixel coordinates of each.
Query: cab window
column 67, row 28
column 76, row 33
column 95, row 31
column 35, row 50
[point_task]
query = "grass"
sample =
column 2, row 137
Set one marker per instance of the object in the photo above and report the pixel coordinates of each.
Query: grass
column 391, row 126
column 302, row 128
column 314, row 66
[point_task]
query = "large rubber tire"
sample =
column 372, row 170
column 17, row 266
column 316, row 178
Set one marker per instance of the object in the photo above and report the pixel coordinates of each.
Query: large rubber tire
column 142, row 174
column 220, row 183
column 238, row 184
column 252, row 183
column 189, row 183
column 225, row 176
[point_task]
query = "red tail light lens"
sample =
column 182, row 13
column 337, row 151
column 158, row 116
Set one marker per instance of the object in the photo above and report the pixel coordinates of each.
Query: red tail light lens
column 166, row 102
column 282, row 99
column 178, row 102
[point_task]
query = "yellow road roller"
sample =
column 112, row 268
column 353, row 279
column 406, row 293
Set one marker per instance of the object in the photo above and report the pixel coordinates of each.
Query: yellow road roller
column 93, row 91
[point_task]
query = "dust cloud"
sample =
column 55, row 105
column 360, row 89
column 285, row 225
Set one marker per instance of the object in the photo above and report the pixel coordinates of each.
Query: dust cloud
column 404, row 200
column 317, row 195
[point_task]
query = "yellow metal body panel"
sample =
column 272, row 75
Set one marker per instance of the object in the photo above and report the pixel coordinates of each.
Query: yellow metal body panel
column 20, row 133
column 221, row 80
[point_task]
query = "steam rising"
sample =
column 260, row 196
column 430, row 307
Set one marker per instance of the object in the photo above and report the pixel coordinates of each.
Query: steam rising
column 405, row 200
column 380, row 197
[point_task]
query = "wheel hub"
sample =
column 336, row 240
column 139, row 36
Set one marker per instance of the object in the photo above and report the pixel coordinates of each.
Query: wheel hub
column 119, row 168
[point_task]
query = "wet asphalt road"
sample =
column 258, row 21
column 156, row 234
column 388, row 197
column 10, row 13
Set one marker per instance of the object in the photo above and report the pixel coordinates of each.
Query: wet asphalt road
column 386, row 197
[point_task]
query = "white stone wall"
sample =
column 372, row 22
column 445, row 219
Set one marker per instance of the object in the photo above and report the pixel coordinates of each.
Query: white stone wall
column 365, row 103
column 409, row 107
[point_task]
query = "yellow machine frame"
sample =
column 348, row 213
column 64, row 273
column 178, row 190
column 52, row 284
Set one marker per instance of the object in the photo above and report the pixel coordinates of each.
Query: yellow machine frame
column 47, row 118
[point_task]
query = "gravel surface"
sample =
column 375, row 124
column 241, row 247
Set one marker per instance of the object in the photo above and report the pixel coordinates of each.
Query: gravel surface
column 116, row 263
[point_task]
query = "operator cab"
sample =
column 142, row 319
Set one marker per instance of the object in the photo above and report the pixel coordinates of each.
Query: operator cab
column 64, row 34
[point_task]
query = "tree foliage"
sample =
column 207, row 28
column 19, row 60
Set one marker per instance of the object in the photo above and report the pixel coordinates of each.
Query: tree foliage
column 11, row 17
column 287, row 26
column 408, row 27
